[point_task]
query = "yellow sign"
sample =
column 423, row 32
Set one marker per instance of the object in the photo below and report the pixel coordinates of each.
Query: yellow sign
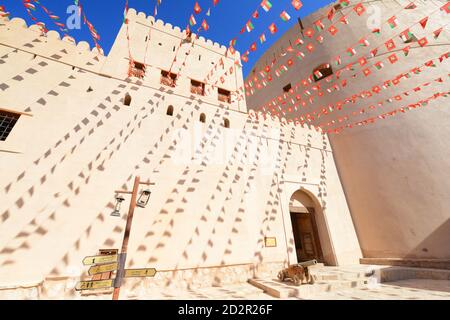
column 91, row 285
column 102, row 268
column 99, row 259
column 130, row 273
column 270, row 242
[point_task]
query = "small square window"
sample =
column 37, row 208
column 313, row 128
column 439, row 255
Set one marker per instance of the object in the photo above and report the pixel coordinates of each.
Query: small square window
column 168, row 78
column 7, row 123
column 197, row 87
column 322, row 71
column 224, row 95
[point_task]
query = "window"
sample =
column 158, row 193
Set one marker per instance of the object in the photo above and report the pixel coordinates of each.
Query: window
column 322, row 71
column 197, row 87
column 7, row 122
column 203, row 118
column 224, row 95
column 137, row 69
column 170, row 111
column 287, row 88
column 127, row 100
column 168, row 78
column 226, row 123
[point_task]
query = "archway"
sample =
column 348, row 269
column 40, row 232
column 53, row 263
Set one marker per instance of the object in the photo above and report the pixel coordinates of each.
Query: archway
column 303, row 212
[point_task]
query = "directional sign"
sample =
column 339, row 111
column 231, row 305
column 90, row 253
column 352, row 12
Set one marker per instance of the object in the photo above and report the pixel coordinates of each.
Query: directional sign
column 103, row 268
column 91, row 285
column 99, row 259
column 131, row 273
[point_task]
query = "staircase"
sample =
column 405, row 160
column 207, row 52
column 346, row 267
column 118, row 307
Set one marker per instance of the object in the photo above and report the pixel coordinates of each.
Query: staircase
column 327, row 279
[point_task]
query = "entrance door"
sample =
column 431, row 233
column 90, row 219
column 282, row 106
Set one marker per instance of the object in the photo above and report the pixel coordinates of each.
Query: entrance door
column 307, row 243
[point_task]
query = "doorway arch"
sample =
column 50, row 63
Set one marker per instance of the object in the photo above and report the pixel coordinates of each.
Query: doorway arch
column 304, row 212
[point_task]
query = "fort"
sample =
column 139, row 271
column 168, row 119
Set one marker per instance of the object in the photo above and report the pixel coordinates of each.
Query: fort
column 238, row 194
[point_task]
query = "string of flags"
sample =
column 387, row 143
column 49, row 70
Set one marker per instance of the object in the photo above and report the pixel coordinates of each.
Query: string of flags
column 376, row 89
column 266, row 5
column 265, row 75
column 283, row 99
column 318, row 27
column 192, row 22
column 249, row 27
column 397, row 111
column 3, row 12
column 364, row 94
column 94, row 34
column 395, row 98
column 362, row 63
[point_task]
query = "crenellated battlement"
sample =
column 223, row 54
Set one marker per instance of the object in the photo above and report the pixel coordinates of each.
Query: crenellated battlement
column 141, row 17
column 19, row 23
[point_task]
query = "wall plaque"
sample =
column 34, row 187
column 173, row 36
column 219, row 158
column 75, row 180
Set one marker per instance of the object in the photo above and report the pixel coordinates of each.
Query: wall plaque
column 270, row 242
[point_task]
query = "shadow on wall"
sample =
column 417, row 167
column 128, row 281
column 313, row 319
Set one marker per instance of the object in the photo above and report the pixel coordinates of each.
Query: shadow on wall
column 439, row 238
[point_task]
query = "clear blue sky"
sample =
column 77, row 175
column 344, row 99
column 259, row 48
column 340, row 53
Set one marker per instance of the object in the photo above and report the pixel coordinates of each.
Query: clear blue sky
column 225, row 22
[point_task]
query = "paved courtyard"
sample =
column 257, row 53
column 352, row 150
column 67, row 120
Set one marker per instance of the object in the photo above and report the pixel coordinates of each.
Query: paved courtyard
column 414, row 289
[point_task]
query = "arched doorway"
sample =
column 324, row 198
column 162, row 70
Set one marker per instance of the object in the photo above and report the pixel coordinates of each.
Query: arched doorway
column 304, row 227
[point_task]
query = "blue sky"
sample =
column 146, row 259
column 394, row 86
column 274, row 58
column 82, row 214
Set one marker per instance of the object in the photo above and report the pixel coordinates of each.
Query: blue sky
column 226, row 20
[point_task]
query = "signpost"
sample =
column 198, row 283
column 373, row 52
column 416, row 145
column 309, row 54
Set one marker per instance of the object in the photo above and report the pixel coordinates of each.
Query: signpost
column 136, row 273
column 116, row 262
column 100, row 259
column 91, row 285
column 110, row 267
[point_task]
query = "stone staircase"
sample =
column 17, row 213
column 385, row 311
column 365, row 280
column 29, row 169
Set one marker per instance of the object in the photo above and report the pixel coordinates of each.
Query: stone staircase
column 327, row 279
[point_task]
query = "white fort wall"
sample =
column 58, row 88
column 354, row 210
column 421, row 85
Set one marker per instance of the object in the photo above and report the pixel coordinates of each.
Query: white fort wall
column 207, row 218
column 395, row 171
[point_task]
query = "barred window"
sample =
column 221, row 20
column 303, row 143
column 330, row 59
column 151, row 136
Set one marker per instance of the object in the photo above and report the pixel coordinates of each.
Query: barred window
column 7, row 122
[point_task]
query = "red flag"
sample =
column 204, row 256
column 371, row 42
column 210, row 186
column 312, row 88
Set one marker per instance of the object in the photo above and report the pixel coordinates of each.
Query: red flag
column 359, row 9
column 390, row 45
column 197, row 8
column 297, row 4
column 393, row 58
column 437, row 32
column 273, row 28
column 205, row 25
column 446, row 7
column 333, row 30
column 423, row 42
column 423, row 22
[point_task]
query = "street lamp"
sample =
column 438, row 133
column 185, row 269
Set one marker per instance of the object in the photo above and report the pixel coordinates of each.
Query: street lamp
column 142, row 202
column 119, row 200
column 143, row 198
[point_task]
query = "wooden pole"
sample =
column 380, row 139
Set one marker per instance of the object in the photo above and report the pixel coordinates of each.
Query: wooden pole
column 126, row 237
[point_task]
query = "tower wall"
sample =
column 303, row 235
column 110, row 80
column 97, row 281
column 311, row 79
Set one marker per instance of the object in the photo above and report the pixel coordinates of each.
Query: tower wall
column 394, row 171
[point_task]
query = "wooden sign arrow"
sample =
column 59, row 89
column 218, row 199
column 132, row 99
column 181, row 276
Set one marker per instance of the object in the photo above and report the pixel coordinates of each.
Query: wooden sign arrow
column 131, row 273
column 100, row 259
column 102, row 268
column 91, row 285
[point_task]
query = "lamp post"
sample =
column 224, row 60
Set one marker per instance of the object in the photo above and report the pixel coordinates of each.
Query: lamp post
column 141, row 202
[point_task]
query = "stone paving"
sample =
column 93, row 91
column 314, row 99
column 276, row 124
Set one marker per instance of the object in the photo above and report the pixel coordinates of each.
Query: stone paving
column 415, row 289
column 412, row 289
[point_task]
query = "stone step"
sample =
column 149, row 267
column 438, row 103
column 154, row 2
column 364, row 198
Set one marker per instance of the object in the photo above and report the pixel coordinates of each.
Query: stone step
column 285, row 290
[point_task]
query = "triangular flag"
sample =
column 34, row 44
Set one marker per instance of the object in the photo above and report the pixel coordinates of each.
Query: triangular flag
column 423, row 22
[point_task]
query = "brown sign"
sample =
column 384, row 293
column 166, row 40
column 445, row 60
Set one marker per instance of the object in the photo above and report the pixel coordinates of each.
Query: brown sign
column 92, row 285
column 103, row 268
column 270, row 242
column 132, row 273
